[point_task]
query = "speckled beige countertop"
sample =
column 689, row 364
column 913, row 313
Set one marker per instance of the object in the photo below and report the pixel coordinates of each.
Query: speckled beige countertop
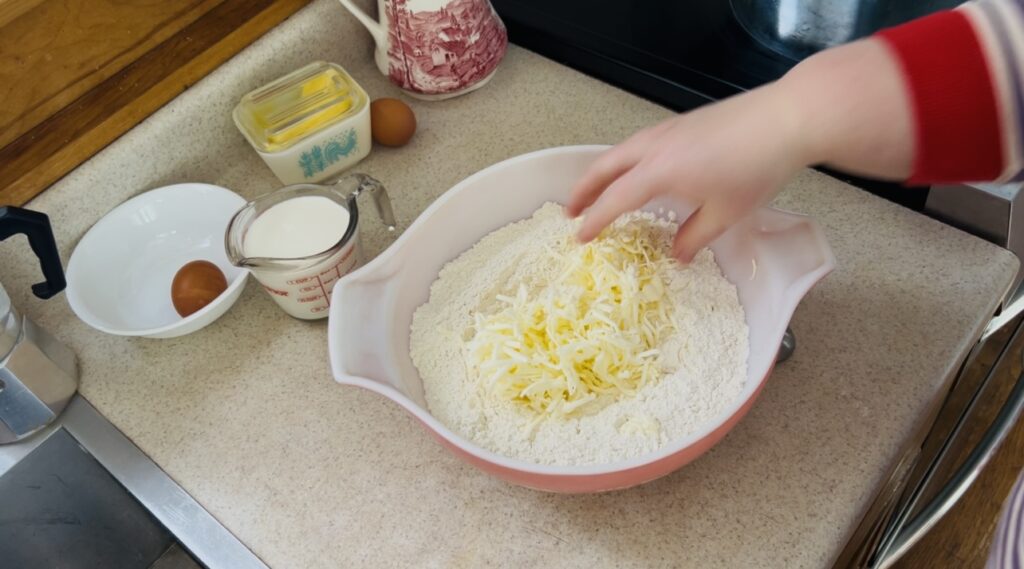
column 310, row 474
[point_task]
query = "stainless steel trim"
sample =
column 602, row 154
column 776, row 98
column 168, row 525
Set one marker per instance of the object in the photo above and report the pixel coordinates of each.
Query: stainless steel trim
column 994, row 212
column 40, row 377
column 1013, row 308
column 865, row 538
column 903, row 534
column 881, row 519
column 963, row 478
column 195, row 528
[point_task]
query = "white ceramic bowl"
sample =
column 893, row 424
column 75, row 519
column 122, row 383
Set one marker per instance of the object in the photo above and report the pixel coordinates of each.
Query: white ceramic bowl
column 372, row 308
column 119, row 276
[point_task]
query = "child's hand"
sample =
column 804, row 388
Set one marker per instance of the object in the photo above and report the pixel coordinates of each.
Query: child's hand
column 846, row 106
column 728, row 158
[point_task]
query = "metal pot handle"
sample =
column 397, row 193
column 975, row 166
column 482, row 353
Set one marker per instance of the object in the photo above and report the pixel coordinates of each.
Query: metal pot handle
column 36, row 226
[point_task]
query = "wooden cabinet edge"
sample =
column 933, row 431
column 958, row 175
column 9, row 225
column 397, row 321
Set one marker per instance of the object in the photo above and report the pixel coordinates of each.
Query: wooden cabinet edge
column 31, row 164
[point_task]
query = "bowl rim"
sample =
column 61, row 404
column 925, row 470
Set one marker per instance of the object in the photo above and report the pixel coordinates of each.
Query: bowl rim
column 750, row 389
column 75, row 298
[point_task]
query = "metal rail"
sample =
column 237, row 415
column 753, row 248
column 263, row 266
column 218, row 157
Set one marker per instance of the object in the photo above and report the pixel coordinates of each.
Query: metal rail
column 904, row 532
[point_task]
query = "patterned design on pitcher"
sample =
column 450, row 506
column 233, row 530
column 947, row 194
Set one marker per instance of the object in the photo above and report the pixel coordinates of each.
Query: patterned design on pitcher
column 318, row 158
column 444, row 50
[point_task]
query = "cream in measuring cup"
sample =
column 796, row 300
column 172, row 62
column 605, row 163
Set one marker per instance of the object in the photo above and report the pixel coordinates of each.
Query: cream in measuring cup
column 300, row 240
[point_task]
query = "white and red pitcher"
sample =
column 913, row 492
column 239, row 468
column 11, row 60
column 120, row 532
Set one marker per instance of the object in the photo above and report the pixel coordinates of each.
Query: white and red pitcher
column 436, row 49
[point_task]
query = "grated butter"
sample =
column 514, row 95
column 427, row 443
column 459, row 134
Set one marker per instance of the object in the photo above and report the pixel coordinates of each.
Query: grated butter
column 587, row 337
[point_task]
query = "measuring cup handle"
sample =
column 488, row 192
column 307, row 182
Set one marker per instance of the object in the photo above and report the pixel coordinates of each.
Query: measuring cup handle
column 368, row 184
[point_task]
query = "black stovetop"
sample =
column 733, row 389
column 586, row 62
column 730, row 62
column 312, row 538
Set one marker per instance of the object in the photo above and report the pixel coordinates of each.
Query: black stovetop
column 689, row 52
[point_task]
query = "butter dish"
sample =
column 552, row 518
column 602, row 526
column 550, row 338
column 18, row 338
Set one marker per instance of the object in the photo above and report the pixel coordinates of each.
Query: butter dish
column 309, row 124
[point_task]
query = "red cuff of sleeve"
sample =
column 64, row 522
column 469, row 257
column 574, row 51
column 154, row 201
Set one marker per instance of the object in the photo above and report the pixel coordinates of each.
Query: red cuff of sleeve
column 956, row 120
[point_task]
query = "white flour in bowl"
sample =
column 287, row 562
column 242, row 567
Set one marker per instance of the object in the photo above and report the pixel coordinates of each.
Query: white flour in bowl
column 703, row 361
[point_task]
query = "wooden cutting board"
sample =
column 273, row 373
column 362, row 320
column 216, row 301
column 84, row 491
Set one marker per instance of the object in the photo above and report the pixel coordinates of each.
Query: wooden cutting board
column 76, row 74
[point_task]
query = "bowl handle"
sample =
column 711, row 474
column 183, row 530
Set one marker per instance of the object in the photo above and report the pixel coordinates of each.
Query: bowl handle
column 797, row 244
column 360, row 329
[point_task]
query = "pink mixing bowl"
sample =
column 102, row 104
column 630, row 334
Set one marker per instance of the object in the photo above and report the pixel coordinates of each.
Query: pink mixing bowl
column 773, row 258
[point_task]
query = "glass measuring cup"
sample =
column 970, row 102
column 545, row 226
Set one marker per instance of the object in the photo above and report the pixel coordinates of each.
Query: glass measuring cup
column 302, row 285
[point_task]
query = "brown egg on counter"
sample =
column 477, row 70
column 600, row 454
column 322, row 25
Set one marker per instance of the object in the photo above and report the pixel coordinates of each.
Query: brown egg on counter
column 392, row 122
column 195, row 285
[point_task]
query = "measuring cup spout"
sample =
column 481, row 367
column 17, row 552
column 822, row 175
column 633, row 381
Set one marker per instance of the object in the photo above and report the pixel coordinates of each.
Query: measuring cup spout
column 235, row 234
column 244, row 262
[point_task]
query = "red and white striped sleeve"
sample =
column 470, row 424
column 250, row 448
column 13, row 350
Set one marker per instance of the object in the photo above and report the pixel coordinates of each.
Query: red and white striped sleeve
column 964, row 72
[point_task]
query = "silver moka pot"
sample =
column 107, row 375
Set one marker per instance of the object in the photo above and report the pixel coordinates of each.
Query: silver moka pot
column 38, row 374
